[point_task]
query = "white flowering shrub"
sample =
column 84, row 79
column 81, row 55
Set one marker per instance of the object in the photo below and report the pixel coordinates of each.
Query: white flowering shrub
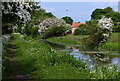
column 21, row 9
column 106, row 27
column 51, row 22
column 15, row 14
column 100, row 32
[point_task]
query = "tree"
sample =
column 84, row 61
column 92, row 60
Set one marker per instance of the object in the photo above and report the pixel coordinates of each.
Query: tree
column 51, row 22
column 54, row 31
column 101, row 33
column 108, row 12
column 68, row 20
column 16, row 13
column 37, row 16
column 81, row 30
column 115, row 17
column 97, row 13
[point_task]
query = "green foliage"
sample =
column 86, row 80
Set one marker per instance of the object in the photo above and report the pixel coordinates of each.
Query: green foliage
column 112, row 45
column 115, row 17
column 27, row 22
column 43, row 62
column 95, row 35
column 7, row 29
column 116, row 28
column 93, row 41
column 54, row 31
column 98, row 13
column 31, row 28
column 105, row 73
column 49, row 15
column 108, row 12
column 81, row 30
column 39, row 15
column 67, row 40
column 92, row 27
column 68, row 20
column 15, row 13
column 40, row 61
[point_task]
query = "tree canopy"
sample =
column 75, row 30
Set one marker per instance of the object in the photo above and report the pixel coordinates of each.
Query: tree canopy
column 108, row 12
column 15, row 13
column 68, row 20
column 22, row 17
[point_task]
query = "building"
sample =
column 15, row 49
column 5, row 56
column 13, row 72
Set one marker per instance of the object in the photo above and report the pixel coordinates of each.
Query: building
column 75, row 26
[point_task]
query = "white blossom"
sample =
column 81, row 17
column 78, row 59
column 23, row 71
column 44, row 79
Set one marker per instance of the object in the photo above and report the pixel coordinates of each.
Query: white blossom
column 106, row 25
column 50, row 22
column 105, row 35
column 21, row 9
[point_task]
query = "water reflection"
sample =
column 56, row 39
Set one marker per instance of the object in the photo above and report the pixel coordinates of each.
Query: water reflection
column 94, row 58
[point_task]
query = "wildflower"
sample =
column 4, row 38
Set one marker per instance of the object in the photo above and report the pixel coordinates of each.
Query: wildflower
column 109, row 67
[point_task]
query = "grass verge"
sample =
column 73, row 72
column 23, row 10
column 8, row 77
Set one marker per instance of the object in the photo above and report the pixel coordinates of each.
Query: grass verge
column 40, row 61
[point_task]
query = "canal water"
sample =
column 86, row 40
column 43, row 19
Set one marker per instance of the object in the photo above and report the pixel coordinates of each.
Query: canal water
column 91, row 58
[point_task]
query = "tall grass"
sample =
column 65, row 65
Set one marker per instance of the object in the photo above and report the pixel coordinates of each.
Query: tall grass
column 40, row 61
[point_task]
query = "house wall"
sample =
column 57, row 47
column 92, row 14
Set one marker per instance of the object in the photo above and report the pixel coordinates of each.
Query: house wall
column 73, row 29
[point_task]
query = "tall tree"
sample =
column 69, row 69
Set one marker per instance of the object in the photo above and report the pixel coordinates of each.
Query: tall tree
column 68, row 20
column 37, row 16
column 15, row 13
column 109, row 13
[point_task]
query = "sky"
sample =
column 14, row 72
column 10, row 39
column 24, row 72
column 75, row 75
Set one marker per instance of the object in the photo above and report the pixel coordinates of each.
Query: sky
column 78, row 11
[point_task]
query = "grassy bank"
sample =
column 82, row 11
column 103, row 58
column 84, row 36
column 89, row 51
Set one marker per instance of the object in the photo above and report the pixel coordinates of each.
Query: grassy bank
column 40, row 61
column 67, row 40
column 113, row 44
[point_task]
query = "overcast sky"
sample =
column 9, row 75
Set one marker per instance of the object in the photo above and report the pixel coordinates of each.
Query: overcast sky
column 78, row 11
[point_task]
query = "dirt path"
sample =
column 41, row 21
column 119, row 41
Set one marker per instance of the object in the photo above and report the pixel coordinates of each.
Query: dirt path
column 16, row 68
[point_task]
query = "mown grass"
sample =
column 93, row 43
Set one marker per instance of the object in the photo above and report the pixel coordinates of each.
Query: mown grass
column 111, row 45
column 67, row 40
column 40, row 61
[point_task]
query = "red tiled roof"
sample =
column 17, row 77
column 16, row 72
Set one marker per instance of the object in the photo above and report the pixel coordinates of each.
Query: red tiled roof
column 76, row 24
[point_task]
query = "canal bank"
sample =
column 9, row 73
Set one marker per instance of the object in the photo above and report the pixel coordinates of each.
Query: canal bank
column 41, row 61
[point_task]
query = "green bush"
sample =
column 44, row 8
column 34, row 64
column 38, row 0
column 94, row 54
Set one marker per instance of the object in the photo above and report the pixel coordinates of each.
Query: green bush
column 7, row 28
column 54, row 31
column 82, row 30
column 116, row 28
column 30, row 29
